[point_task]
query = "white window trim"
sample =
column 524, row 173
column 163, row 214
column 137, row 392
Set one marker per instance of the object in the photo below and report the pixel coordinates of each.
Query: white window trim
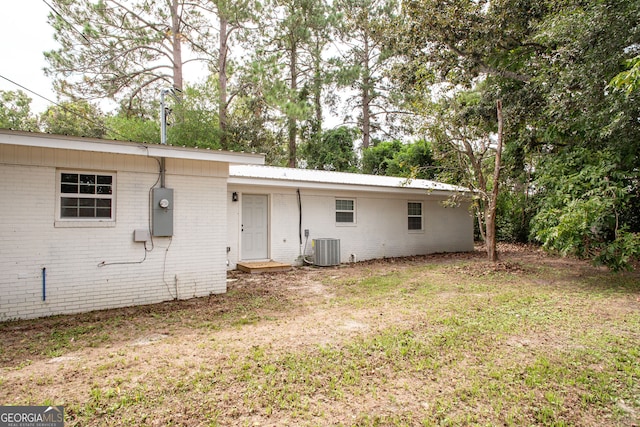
column 355, row 216
column 84, row 222
column 421, row 230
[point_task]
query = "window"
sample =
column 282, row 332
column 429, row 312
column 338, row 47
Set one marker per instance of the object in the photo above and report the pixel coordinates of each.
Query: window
column 86, row 196
column 345, row 211
column 414, row 210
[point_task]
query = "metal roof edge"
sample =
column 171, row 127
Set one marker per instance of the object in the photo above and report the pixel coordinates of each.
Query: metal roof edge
column 278, row 176
column 265, row 182
column 45, row 140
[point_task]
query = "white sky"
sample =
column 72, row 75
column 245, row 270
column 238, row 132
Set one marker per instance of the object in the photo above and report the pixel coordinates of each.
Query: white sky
column 25, row 36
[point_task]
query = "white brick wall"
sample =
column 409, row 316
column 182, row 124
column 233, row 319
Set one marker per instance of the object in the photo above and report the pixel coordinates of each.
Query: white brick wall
column 380, row 229
column 192, row 263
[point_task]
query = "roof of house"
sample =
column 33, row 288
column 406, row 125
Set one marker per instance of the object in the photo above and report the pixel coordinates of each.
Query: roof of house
column 270, row 175
column 45, row 140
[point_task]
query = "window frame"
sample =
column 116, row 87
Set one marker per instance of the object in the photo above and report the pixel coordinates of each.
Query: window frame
column 85, row 221
column 352, row 211
column 413, row 215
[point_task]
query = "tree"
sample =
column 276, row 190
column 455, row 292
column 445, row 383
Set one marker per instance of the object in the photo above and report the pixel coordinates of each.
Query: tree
column 129, row 128
column 584, row 213
column 366, row 59
column 376, row 159
column 322, row 27
column 286, row 45
column 490, row 213
column 460, row 40
column 333, row 151
column 465, row 137
column 233, row 18
column 392, row 158
column 592, row 134
column 551, row 63
column 123, row 51
column 74, row 118
column 192, row 117
column 414, row 160
column 15, row 111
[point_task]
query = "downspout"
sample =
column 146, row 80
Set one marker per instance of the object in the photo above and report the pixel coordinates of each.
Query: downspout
column 44, row 283
column 299, row 221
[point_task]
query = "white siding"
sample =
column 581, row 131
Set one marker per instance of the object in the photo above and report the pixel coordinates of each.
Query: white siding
column 380, row 229
column 192, row 263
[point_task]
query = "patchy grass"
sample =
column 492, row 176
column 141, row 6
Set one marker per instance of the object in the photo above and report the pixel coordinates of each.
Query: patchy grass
column 424, row 341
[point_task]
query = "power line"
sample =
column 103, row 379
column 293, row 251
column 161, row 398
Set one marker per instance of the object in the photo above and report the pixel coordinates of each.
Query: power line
column 29, row 90
column 75, row 113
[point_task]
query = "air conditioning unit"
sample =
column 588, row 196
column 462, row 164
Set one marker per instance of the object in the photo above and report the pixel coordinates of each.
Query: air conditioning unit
column 327, row 252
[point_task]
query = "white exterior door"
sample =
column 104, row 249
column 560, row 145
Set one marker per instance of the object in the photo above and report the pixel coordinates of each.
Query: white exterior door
column 254, row 227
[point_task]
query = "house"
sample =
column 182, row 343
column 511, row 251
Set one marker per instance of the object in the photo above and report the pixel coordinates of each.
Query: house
column 278, row 213
column 89, row 224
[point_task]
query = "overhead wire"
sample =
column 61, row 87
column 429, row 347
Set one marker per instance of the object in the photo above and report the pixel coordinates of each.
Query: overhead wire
column 67, row 22
column 75, row 113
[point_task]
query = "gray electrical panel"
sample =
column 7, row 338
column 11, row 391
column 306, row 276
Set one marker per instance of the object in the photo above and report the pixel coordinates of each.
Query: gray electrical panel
column 162, row 210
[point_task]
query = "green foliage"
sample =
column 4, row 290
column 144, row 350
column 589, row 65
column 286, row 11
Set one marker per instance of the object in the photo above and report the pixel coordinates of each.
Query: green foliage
column 193, row 118
column 136, row 129
column 288, row 63
column 621, row 253
column 375, row 160
column 74, row 118
column 583, row 199
column 512, row 217
column 15, row 111
column 334, row 150
column 393, row 158
column 589, row 42
column 556, row 67
column 414, row 160
column 629, row 80
column 253, row 124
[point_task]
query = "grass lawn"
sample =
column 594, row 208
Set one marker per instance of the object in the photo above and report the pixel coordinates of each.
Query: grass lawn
column 420, row 341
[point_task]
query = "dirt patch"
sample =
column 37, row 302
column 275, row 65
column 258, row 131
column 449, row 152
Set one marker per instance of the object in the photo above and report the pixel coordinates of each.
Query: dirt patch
column 324, row 339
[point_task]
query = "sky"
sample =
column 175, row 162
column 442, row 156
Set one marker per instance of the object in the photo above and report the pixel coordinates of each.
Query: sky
column 26, row 35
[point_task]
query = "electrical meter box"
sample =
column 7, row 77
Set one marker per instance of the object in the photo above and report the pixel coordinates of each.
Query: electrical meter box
column 162, row 211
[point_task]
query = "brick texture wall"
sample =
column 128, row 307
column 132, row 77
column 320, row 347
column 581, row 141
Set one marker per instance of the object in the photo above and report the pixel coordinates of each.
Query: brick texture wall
column 97, row 267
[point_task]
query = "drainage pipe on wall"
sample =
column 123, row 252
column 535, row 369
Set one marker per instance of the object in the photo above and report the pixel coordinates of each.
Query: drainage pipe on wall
column 44, row 283
column 299, row 221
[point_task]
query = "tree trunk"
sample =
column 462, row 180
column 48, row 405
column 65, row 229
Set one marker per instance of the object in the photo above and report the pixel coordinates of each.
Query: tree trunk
column 317, row 90
column 493, row 199
column 222, row 82
column 292, row 125
column 176, row 45
column 366, row 97
column 481, row 227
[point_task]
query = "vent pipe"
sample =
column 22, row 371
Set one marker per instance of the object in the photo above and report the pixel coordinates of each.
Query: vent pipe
column 163, row 132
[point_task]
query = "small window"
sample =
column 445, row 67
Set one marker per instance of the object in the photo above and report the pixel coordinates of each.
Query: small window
column 86, row 196
column 345, row 211
column 415, row 215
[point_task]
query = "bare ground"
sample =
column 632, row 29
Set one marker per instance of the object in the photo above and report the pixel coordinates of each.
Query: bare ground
column 151, row 354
